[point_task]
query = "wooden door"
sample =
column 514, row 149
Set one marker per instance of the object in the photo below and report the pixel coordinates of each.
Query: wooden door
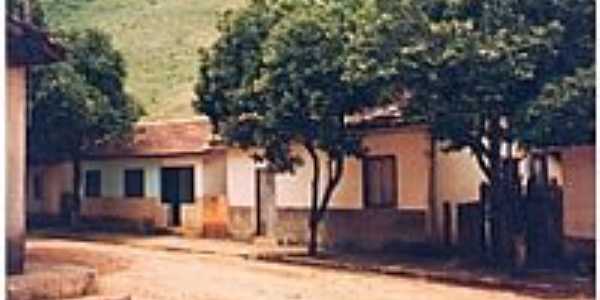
column 177, row 187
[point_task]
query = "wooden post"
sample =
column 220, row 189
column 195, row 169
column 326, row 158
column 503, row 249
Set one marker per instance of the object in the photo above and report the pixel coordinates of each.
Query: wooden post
column 447, row 224
column 484, row 206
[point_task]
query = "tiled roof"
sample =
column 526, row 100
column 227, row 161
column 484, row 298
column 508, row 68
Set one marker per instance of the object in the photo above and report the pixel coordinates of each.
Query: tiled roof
column 164, row 138
column 388, row 115
column 194, row 136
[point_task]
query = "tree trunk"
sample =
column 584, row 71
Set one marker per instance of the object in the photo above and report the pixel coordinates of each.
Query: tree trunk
column 313, row 222
column 498, row 217
column 314, row 229
column 431, row 196
column 502, row 198
column 76, row 200
column 317, row 212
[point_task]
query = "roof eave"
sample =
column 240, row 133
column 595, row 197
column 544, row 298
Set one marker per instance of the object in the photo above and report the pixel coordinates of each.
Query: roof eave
column 29, row 45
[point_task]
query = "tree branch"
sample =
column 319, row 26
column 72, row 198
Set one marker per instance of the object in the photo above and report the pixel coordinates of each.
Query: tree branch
column 481, row 151
column 483, row 166
column 331, row 185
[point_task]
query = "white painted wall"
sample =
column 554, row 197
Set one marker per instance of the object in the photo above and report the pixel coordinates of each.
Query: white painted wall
column 241, row 179
column 293, row 190
column 458, row 178
column 214, row 177
column 410, row 149
column 458, row 175
column 113, row 172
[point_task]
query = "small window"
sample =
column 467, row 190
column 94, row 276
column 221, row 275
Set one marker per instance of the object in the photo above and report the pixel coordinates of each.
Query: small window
column 37, row 187
column 380, row 182
column 93, row 182
column 134, row 183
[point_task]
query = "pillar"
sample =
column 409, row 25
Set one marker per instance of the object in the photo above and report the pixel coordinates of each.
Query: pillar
column 15, row 169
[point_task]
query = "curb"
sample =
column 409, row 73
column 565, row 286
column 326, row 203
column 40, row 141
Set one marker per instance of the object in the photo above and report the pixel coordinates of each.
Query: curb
column 485, row 282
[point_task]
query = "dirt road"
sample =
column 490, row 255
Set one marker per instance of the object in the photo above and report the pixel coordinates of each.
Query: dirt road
column 167, row 275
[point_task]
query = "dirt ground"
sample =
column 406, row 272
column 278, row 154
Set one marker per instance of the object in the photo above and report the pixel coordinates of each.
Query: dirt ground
column 171, row 275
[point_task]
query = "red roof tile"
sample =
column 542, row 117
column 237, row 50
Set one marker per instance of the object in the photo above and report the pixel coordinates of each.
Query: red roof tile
column 165, row 138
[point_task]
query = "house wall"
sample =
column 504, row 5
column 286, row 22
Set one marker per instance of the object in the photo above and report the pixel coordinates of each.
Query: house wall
column 15, row 168
column 457, row 181
column 579, row 206
column 241, row 179
column 410, row 150
column 347, row 222
column 411, row 147
column 209, row 180
column 57, row 179
column 142, row 211
column 112, row 175
column 241, row 193
column 215, row 181
column 457, row 177
column 149, row 209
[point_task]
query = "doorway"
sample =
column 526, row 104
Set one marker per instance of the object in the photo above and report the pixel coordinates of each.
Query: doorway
column 266, row 212
column 177, row 188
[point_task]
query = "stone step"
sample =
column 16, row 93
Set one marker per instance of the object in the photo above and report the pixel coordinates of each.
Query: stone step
column 52, row 281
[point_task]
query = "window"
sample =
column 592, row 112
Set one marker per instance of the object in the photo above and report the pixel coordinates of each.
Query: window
column 37, row 187
column 380, row 182
column 93, row 183
column 134, row 183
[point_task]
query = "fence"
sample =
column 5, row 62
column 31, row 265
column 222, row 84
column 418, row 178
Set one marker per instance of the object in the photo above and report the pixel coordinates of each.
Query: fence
column 524, row 225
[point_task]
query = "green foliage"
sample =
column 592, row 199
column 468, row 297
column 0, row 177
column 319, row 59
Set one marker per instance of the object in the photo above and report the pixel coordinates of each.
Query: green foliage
column 565, row 113
column 481, row 65
column 79, row 103
column 485, row 75
column 158, row 41
column 16, row 10
column 291, row 72
column 491, row 75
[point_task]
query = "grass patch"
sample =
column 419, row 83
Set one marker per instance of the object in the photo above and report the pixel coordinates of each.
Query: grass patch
column 159, row 40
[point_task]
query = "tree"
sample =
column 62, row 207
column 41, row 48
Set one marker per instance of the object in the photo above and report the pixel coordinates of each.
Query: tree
column 482, row 76
column 78, row 104
column 27, row 10
column 565, row 113
column 289, row 73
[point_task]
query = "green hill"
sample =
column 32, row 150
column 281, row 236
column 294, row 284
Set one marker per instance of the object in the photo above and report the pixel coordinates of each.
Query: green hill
column 159, row 40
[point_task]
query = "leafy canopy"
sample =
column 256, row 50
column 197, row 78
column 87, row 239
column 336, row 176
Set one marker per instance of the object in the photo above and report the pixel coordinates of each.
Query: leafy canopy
column 482, row 70
column 79, row 103
column 291, row 72
column 565, row 112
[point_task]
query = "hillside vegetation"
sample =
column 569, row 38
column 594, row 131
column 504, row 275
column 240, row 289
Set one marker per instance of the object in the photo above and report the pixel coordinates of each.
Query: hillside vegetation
column 159, row 40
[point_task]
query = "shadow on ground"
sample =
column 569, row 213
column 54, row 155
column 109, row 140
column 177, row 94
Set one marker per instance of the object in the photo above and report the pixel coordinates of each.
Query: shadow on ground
column 423, row 264
column 540, row 283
